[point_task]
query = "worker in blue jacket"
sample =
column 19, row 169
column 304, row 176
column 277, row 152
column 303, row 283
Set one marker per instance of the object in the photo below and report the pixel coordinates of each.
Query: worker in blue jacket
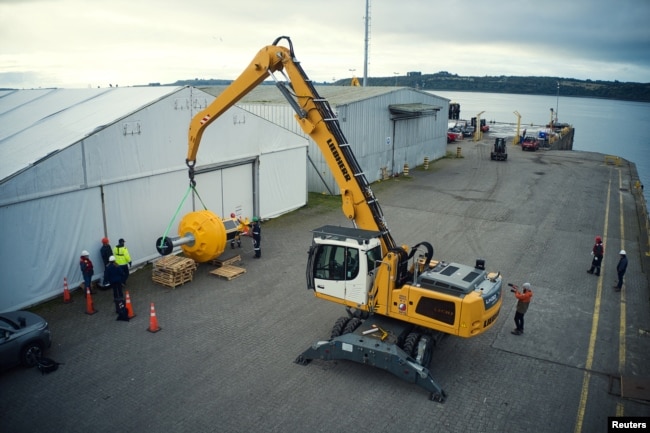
column 620, row 269
column 115, row 277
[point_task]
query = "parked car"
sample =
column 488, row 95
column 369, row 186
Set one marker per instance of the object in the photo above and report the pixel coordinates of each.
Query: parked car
column 454, row 136
column 24, row 337
column 468, row 131
column 530, row 143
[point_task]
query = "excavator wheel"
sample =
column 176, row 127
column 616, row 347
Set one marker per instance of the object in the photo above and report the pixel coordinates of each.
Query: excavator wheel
column 424, row 351
column 339, row 326
column 419, row 347
column 352, row 325
column 411, row 344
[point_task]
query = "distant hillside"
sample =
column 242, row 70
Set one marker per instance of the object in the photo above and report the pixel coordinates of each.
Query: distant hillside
column 518, row 85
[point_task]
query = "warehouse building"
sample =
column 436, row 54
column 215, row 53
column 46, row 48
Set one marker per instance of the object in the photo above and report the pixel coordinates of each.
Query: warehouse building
column 386, row 127
column 81, row 164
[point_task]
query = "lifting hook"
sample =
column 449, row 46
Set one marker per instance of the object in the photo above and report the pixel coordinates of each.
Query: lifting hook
column 190, row 172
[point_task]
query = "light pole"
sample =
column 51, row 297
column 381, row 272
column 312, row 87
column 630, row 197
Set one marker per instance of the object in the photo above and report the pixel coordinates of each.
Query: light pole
column 396, row 74
column 365, row 44
column 517, row 137
column 478, row 132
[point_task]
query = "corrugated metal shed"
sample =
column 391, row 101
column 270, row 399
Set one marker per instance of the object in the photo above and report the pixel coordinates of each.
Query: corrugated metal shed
column 382, row 140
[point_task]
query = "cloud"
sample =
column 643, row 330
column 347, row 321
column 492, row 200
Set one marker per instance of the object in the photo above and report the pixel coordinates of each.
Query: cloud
column 94, row 43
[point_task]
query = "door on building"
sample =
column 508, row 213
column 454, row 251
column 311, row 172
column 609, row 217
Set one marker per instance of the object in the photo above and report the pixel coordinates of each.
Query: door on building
column 227, row 190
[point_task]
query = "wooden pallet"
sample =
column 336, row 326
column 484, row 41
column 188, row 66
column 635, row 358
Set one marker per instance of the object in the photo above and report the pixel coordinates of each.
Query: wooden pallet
column 175, row 264
column 170, row 280
column 173, row 271
column 228, row 272
column 227, row 261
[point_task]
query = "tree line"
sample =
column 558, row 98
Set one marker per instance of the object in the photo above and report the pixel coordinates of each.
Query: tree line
column 518, row 85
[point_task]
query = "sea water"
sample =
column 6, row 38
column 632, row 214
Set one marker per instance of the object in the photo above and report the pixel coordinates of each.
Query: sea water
column 607, row 126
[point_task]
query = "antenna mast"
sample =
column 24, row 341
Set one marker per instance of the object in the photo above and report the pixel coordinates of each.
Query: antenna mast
column 365, row 45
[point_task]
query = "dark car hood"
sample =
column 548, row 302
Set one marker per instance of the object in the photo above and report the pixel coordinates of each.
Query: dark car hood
column 12, row 319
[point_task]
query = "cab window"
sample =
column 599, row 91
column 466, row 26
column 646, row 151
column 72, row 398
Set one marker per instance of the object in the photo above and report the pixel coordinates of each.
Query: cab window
column 336, row 262
column 374, row 258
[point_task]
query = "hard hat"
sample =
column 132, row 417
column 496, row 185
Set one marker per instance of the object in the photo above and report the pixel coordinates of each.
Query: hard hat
column 526, row 286
column 623, row 253
column 232, row 215
column 104, row 240
column 598, row 239
column 85, row 253
column 255, row 219
column 111, row 259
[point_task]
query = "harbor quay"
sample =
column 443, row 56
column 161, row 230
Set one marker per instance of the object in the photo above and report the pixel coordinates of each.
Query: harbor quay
column 223, row 359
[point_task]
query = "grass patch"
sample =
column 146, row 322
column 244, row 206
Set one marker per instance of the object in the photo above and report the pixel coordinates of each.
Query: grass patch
column 317, row 200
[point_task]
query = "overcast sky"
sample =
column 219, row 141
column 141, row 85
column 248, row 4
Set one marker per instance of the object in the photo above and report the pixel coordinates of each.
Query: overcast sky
column 82, row 43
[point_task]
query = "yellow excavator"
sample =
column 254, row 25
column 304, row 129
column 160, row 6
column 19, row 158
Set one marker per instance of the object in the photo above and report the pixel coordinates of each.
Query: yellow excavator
column 399, row 301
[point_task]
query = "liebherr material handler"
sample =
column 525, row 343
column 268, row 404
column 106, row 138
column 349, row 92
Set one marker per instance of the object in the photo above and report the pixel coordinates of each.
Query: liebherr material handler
column 399, row 301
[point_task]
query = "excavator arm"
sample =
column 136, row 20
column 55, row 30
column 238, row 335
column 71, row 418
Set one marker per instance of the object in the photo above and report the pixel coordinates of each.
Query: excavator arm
column 317, row 120
column 268, row 60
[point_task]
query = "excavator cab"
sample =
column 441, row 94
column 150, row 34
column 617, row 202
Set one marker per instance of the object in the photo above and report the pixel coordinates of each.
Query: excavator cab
column 342, row 264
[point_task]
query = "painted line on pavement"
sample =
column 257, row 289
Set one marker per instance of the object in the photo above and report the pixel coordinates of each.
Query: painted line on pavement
column 594, row 328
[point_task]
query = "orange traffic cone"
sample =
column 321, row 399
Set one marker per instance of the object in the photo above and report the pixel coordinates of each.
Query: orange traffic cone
column 66, row 292
column 153, row 321
column 129, row 307
column 90, row 309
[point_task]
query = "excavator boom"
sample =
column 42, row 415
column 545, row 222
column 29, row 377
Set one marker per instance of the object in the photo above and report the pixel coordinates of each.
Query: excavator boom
column 268, row 60
column 317, row 120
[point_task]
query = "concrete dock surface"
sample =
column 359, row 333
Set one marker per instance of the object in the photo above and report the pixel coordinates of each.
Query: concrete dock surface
column 223, row 360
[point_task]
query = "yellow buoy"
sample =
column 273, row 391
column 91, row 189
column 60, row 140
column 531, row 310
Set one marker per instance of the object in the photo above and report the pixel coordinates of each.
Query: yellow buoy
column 209, row 235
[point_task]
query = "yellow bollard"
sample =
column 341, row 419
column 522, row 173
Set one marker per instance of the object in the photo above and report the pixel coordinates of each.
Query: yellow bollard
column 406, row 169
column 426, row 162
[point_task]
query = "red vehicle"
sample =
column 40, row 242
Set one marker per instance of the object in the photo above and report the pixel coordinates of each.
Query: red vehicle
column 530, row 143
column 454, row 136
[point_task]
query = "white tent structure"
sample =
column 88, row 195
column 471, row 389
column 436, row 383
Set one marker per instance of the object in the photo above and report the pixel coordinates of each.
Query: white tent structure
column 80, row 164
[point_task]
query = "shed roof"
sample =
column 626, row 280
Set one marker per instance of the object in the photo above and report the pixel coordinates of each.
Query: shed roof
column 335, row 95
column 39, row 122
